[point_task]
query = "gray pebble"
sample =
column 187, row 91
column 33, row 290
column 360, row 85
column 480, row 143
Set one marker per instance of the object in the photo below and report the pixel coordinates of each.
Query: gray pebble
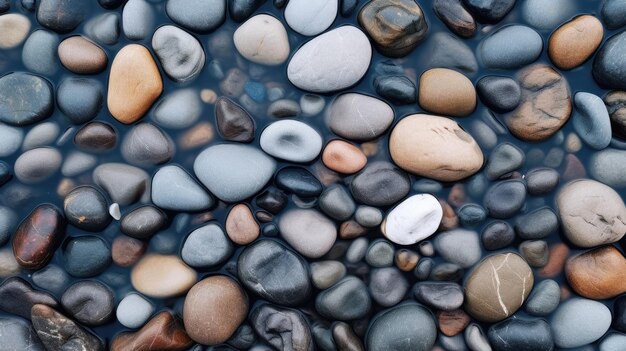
column 89, row 302
column 535, row 252
column 146, row 144
column 134, row 310
column 510, row 47
column 471, row 214
column 39, row 53
column 439, row 295
column 358, row 117
column 408, row 326
column 78, row 162
column 387, row 286
column 380, row 253
column 501, row 94
column 505, row 158
column 459, row 246
column 325, row 274
column 137, row 19
column 25, row 99
column 197, row 15
column 125, row 184
column 475, row 338
column 179, row 109
column 174, row 189
column 336, row 202
column 614, row 13
column 505, row 198
column 544, row 298
column 446, row 50
column 356, row 250
column 541, row 181
column 537, row 224
column 380, row 183
column 368, row 216
column 86, row 208
column 104, row 28
column 291, row 140
column 427, row 186
column 10, row 139
column 36, row 165
column 206, row 246
column 346, row 300
column 548, row 15
column 283, row 108
column 52, row 278
column 18, row 334
column 579, row 321
column 497, row 235
column 8, row 223
column 609, row 166
column 43, row 134
column 613, row 342
column 484, row 135
column 179, row 52
column 591, row 120
column 80, row 99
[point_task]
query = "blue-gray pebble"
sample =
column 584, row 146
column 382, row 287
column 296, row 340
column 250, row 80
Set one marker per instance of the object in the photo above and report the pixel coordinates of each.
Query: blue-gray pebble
column 510, row 47
column 591, row 120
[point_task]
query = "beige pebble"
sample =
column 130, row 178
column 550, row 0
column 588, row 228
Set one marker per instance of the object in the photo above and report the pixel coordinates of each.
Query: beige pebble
column 262, row 39
column 241, row 226
column 208, row 96
column 201, row 134
column 575, row 41
column 343, row 157
column 13, row 30
column 446, row 92
column 162, row 276
column 80, row 55
column 8, row 265
column 573, row 143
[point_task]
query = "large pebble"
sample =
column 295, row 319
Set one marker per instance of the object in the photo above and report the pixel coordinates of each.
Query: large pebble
column 513, row 334
column 310, row 17
column 331, row 61
column 162, row 276
column 346, row 300
column 263, row 39
column 134, row 310
column 104, row 28
column 609, row 62
column 14, row 28
column 291, row 140
column 358, row 117
column 39, row 53
column 447, row 92
column 38, row 236
column 134, row 83
column 413, row 220
column 545, row 107
column 179, row 52
column 36, row 165
column 146, row 144
column 575, row 41
column 489, row 11
column 86, row 256
column 197, row 15
column 179, row 109
column 510, row 47
column 591, row 213
column 137, row 19
column 89, row 302
column 498, row 287
column 81, row 56
column 214, row 308
column 579, row 322
column 80, row 99
column 297, row 228
column 86, row 208
column 206, row 246
column 380, row 184
column 164, row 331
column 597, row 274
column 591, row 120
column 174, row 189
column 25, row 99
column 407, row 326
column 18, row 334
column 447, row 152
column 125, row 184
column 57, row 332
column 61, row 15
column 221, row 169
column 299, row 181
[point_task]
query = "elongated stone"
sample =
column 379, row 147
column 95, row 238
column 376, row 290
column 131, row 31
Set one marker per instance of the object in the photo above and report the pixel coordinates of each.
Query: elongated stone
column 38, row 236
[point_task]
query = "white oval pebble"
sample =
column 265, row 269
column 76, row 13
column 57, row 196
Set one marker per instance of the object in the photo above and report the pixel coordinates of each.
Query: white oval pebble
column 291, row 141
column 262, row 39
column 414, row 219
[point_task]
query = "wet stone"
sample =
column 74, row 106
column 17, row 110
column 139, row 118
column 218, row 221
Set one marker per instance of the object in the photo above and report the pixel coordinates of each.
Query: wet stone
column 25, row 99
column 439, row 295
column 459, row 246
column 126, row 251
column 380, row 253
column 61, row 15
column 137, row 19
column 39, row 53
column 104, row 29
column 387, row 286
column 541, row 181
column 241, row 226
column 292, row 331
column 199, row 16
column 535, row 252
column 162, row 276
column 240, row 10
column 536, row 224
column 17, row 297
column 96, row 137
column 10, row 139
column 409, row 325
column 89, row 302
column 179, row 109
column 397, row 89
column 448, row 51
column 38, row 236
column 57, row 332
column 125, row 184
column 358, row 117
column 575, row 41
column 19, row 335
column 544, row 298
column 86, row 208
column 446, row 92
column 413, row 220
column 164, row 332
column 298, row 15
column 81, row 56
column 233, row 122
column 380, row 184
column 174, row 189
column 455, row 17
column 86, row 256
column 489, row 11
column 597, row 274
column 180, row 54
column 505, row 198
column 346, row 300
column 295, row 227
column 206, row 246
column 614, row 14
column 591, row 120
column 514, row 334
column 15, row 28
column 608, row 62
column 510, row 47
column 337, row 203
column 291, row 140
column 52, row 278
column 146, row 144
column 501, row 94
column 134, row 310
column 578, row 322
column 471, row 214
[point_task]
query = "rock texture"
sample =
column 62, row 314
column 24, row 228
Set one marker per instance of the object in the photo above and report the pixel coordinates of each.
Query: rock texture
column 597, row 274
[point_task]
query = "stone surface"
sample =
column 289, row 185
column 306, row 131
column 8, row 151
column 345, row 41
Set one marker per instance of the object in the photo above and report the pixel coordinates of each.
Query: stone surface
column 164, row 332
column 86, row 256
column 15, row 28
column 407, row 326
column 214, row 309
column 220, row 167
column 446, row 92
column 86, row 208
column 331, row 61
column 591, row 213
column 310, row 17
column 143, row 222
column 25, row 99
column 447, row 153
column 348, row 299
column 89, row 302
column 38, row 236
column 547, row 15
column 607, row 166
column 174, row 189
column 17, row 297
column 498, row 287
column 19, row 335
column 597, row 274
column 591, row 120
column 536, row 224
column 137, row 19
column 162, row 276
column 544, row 298
column 358, row 117
column 455, row 17
column 459, row 246
column 81, row 56
column 80, row 99
column 337, row 203
column 105, row 28
column 291, row 140
column 233, row 122
column 125, row 184
column 615, row 102
column 505, row 198
column 179, row 109
column 448, row 51
column 126, row 251
column 388, row 286
column 179, row 52
column 240, row 10
column 134, row 310
column 501, row 94
column 296, row 228
column 380, row 184
column 489, row 11
column 396, row 27
column 439, row 295
column 608, row 64
column 199, row 16
column 241, row 226
column 575, row 41
column 36, row 165
column 61, row 15
column 134, row 83
column 541, row 181
column 614, row 14
column 510, row 47
column 263, row 39
column 96, row 137
column 578, row 322
column 343, row 157
column 514, row 334
column 206, row 246
column 57, row 332
column 39, row 53
column 10, row 139
column 283, row 328
column 413, row 220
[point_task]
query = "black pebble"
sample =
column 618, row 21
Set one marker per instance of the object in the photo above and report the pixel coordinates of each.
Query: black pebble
column 111, row 4
column 143, row 222
column 299, row 181
column 61, row 15
column 240, row 10
column 497, row 235
column 347, row 7
column 501, row 94
column 273, row 200
column 86, row 256
column 397, row 89
column 489, row 11
column 521, row 335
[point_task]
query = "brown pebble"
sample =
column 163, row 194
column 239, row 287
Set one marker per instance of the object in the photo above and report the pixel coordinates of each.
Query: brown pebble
column 162, row 276
column 449, row 220
column 575, row 41
column 452, row 323
column 457, row 196
column 369, row 148
column 343, row 157
column 164, row 332
column 351, row 229
column 455, row 17
column 38, row 236
column 82, row 56
column 208, row 96
column 597, row 274
column 406, row 260
column 126, row 251
column 232, row 85
column 325, row 175
column 202, row 218
column 199, row 135
column 565, row 293
column 65, row 186
column 214, row 309
column 446, row 92
column 241, row 226
column 573, row 168
column 556, row 261
column 264, row 216
column 96, row 136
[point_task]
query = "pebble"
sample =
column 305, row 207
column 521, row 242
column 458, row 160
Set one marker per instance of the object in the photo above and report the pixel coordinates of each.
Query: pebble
column 233, row 122
column 544, row 298
column 133, row 311
column 505, row 198
column 358, row 117
column 368, row 216
column 164, row 331
column 284, row 108
column 413, row 220
column 501, row 94
column 263, row 39
column 591, row 213
column 608, row 63
column 312, row 104
column 436, row 137
column 337, row 203
column 241, row 226
column 137, row 19
column 197, row 15
column 58, row 332
column 291, row 140
column 535, row 252
column 607, row 167
column 42, row 134
column 219, row 168
column 452, row 323
column 179, row 109
column 325, row 274
column 179, row 52
column 536, row 224
column 356, row 251
column 615, row 102
column 146, row 144
column 348, row 299
column 86, row 256
column 387, row 286
column 10, row 139
column 38, row 236
column 343, row 157
column 296, row 225
column 214, row 309
column 294, row 332
column 613, row 342
column 81, row 56
column 174, row 189
column 597, row 274
column 547, row 15
column 134, row 82
column 18, row 297
column 19, row 335
column 52, row 278
column 455, row 17
column 89, row 302
column 579, row 322
column 80, row 99
column 143, row 222
column 240, row 10
column 310, row 17
column 126, row 251
column 459, row 246
column 512, row 334
column 406, row 326
column 575, row 41
column 125, row 184
column 25, row 99
column 614, row 14
column 8, row 264
column 504, row 158
column 396, row 27
column 162, row 276
column 331, row 61
column 96, row 137
column 15, row 28
column 272, row 271
column 86, row 208
column 206, row 246
column 273, row 200
column 61, row 15
column 8, row 223
column 487, row 298
column 104, row 29
column 439, row 295
column 345, row 337
column 447, row 92
column 397, row 89
column 510, row 47
column 448, row 51
column 541, row 181
column 591, row 120
column 380, row 253
column 39, row 53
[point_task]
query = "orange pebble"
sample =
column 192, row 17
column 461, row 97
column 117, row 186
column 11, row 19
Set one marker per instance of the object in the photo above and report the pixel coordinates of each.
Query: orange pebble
column 343, row 157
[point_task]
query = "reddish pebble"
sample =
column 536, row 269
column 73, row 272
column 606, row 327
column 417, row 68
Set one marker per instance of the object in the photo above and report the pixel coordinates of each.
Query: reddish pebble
column 164, row 332
column 452, row 323
column 343, row 157
column 38, row 236
column 556, row 261
column 241, row 227
column 126, row 251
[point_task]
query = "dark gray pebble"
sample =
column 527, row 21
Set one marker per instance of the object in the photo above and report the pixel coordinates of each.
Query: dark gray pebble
column 397, row 89
column 143, row 222
column 233, row 122
column 521, row 335
column 535, row 252
column 25, row 99
column 336, row 202
column 439, row 295
column 471, row 214
column 17, row 297
column 147, row 144
column 614, row 13
column 5, row 173
column 86, row 208
column 608, row 65
column 273, row 200
column 86, row 256
column 544, row 298
column 299, row 181
column 380, row 183
column 18, row 334
column 541, row 181
column 489, row 11
column 504, row 199
column 504, row 158
column 61, row 15
column 89, row 302
column 347, row 7
column 283, row 328
column 346, row 300
column 240, row 10
column 537, row 224
column 408, row 326
column 380, row 253
column 501, row 94
column 80, row 99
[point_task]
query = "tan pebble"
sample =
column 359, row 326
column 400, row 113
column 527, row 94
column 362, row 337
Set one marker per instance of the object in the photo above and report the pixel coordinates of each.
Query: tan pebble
column 575, row 41
column 14, row 29
column 208, row 96
column 369, row 148
column 343, row 157
column 449, row 220
column 406, row 260
column 262, row 39
column 8, row 264
column 162, row 276
column 80, row 55
column 556, row 261
column 126, row 251
column 446, row 92
column 134, row 83
column 457, row 196
column 573, row 143
column 65, row 186
column 241, row 226
column 201, row 134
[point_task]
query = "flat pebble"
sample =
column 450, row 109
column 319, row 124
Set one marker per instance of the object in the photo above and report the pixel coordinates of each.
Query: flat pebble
column 505, row 198
column 80, row 99
column 536, row 224
column 179, row 109
column 575, row 41
column 387, row 286
column 446, row 92
column 146, row 144
column 325, row 274
column 81, row 56
column 291, row 140
column 206, row 246
column 125, row 184
column 86, row 256
column 501, row 94
column 409, row 326
column 510, row 47
column 104, row 28
column 358, row 117
column 346, row 300
column 295, row 227
column 25, row 99
column 61, row 15
column 413, row 220
column 90, row 302
column 174, row 189
column 337, row 203
column 459, row 246
column 199, row 16
column 296, row 333
column 162, row 276
column 541, row 181
column 137, row 19
column 512, row 334
column 591, row 120
column 489, row 11
column 578, row 322
column 133, row 311
column 180, row 53
column 36, row 165
column 10, row 139
column 547, row 15
column 544, row 298
column 608, row 63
